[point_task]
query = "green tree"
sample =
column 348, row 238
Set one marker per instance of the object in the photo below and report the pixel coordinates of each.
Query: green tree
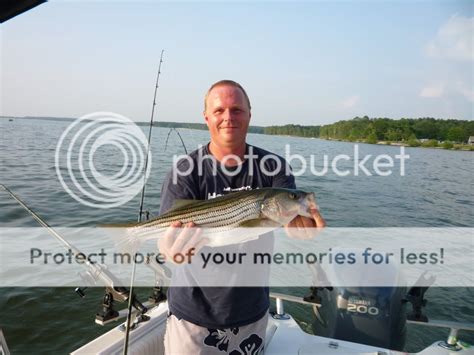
column 447, row 145
column 393, row 135
column 371, row 138
column 432, row 143
column 455, row 134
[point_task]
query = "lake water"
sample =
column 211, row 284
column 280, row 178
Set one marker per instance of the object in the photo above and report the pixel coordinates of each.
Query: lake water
column 437, row 190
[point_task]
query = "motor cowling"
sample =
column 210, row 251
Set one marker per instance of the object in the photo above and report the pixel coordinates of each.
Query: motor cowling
column 354, row 308
column 368, row 315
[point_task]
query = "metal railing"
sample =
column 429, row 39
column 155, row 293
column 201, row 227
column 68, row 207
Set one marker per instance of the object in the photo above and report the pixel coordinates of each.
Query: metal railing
column 454, row 327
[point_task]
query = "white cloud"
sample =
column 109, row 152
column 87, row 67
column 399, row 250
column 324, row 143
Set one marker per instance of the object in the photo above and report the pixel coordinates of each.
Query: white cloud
column 467, row 92
column 436, row 90
column 454, row 40
column 448, row 89
column 350, row 101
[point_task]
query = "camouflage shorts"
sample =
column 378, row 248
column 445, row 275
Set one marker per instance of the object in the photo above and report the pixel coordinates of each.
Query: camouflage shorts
column 184, row 338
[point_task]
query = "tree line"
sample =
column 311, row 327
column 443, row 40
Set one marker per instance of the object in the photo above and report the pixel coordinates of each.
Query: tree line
column 383, row 129
column 293, row 130
column 364, row 128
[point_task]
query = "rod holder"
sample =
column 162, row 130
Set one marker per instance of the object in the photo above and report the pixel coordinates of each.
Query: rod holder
column 280, row 310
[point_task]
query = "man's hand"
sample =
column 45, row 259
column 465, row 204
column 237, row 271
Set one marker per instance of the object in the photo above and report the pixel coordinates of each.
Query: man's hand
column 305, row 228
column 180, row 243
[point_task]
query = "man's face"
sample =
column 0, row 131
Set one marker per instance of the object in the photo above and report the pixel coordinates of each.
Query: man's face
column 227, row 116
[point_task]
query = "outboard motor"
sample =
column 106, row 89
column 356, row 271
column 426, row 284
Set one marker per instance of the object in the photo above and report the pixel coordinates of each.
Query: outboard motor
column 368, row 315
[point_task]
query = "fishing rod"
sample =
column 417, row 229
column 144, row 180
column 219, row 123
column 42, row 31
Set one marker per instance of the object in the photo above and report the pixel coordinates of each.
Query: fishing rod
column 179, row 135
column 95, row 271
column 142, row 198
column 140, row 213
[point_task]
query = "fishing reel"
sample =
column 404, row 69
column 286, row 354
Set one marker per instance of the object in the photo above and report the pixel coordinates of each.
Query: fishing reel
column 120, row 294
column 162, row 275
column 415, row 296
column 146, row 214
column 112, row 293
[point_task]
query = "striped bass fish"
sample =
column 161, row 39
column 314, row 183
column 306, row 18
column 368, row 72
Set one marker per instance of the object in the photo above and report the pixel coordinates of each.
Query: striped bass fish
column 223, row 218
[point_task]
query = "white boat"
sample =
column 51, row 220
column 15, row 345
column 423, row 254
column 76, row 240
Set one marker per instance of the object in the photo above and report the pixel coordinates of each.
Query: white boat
column 284, row 336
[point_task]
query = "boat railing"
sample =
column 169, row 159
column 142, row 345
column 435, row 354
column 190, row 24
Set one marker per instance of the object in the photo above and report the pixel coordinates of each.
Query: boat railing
column 280, row 298
column 450, row 343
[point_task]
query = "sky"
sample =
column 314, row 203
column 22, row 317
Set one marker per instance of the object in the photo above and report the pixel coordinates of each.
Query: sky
column 309, row 63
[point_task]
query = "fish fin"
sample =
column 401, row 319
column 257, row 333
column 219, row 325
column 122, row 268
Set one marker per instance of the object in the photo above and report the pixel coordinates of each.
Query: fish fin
column 259, row 222
column 182, row 203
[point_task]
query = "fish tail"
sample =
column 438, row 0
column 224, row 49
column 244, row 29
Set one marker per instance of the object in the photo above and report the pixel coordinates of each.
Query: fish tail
column 128, row 244
column 133, row 239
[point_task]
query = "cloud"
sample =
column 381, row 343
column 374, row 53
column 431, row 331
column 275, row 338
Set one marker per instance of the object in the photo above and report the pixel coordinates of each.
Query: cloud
column 467, row 92
column 432, row 91
column 351, row 101
column 454, row 40
column 448, row 89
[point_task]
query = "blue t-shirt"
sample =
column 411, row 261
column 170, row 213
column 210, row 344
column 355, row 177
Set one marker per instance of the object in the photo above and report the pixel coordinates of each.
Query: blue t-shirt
column 222, row 307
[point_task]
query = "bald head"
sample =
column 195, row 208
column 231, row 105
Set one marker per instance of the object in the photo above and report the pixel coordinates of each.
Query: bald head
column 226, row 83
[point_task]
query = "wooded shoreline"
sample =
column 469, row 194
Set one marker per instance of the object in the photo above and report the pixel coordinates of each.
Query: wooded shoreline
column 413, row 132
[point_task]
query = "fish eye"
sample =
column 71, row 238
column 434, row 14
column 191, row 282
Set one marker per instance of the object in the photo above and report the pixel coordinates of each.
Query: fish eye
column 292, row 196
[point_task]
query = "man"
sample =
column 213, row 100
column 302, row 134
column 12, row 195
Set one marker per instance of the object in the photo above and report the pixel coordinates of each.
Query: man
column 219, row 320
